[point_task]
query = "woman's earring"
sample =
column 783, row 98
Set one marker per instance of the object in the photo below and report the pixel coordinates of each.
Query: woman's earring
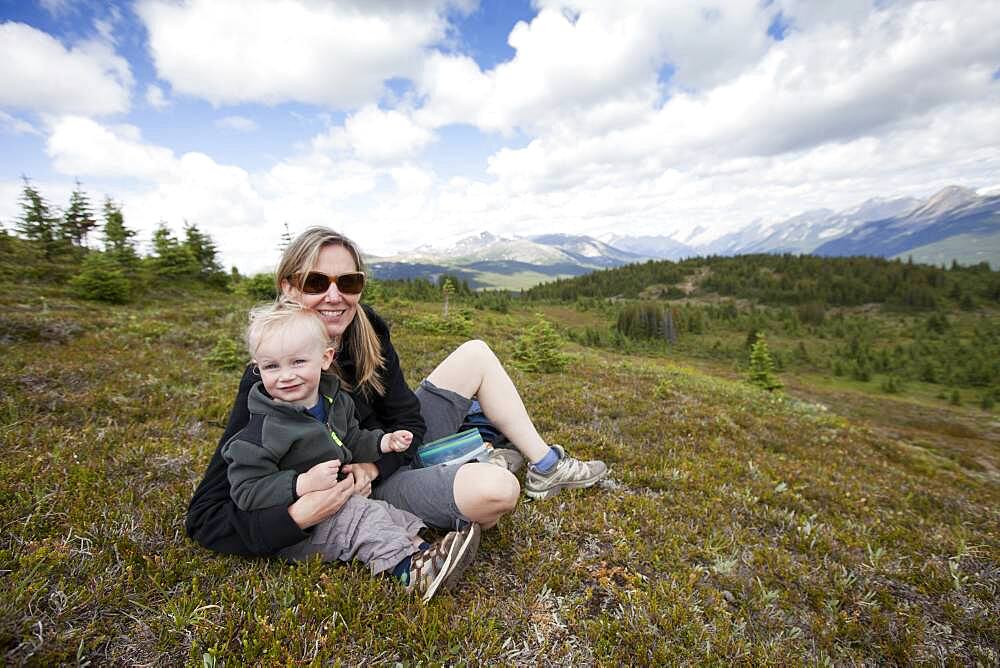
column 255, row 370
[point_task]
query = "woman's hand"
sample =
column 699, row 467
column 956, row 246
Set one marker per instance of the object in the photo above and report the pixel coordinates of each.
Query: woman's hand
column 364, row 473
column 314, row 507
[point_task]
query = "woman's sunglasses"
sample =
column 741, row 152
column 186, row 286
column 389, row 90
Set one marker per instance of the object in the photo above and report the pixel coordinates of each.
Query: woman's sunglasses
column 316, row 283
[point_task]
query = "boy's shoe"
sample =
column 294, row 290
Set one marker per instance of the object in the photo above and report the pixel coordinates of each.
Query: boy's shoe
column 568, row 473
column 441, row 565
column 507, row 458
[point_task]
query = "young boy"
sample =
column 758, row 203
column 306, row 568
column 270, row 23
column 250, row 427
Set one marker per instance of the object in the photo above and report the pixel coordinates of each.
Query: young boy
column 302, row 429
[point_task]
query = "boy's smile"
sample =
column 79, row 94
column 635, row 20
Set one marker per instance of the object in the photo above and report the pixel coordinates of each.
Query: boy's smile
column 291, row 362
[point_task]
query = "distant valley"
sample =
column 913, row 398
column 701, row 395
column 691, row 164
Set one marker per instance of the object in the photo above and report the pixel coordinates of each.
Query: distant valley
column 954, row 224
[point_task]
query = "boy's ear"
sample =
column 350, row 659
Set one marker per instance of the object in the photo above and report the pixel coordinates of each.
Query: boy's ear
column 328, row 358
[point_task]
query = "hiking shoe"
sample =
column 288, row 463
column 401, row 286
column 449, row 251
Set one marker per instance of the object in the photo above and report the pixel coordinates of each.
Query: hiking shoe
column 507, row 458
column 441, row 565
column 568, row 473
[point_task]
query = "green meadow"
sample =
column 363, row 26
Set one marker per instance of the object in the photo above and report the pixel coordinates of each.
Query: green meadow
column 829, row 524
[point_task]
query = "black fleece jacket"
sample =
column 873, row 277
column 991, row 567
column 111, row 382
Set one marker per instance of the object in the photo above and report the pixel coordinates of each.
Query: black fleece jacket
column 218, row 524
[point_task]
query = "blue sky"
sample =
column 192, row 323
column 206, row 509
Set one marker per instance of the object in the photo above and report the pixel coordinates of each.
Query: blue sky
column 406, row 124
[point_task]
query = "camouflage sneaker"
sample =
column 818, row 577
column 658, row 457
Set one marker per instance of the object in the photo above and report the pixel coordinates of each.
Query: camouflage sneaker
column 568, row 473
column 507, row 458
column 441, row 565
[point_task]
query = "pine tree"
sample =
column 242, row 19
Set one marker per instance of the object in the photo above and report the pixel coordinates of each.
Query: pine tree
column 202, row 248
column 669, row 330
column 447, row 289
column 118, row 239
column 37, row 222
column 538, row 349
column 171, row 259
column 101, row 278
column 286, row 239
column 78, row 220
column 762, row 366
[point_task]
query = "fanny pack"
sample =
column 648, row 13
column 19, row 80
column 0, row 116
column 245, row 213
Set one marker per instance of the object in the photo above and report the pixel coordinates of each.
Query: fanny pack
column 452, row 450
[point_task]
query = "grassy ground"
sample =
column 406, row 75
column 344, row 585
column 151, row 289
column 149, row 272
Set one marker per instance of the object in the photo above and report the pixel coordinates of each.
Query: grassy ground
column 737, row 527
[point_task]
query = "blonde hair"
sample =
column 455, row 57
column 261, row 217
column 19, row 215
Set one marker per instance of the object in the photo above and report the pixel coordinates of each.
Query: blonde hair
column 280, row 316
column 302, row 255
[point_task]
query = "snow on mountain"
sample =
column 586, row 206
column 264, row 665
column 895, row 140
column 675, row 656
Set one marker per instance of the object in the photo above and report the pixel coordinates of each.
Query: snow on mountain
column 806, row 231
column 945, row 200
column 949, row 213
column 878, row 226
column 547, row 249
column 652, row 246
column 588, row 250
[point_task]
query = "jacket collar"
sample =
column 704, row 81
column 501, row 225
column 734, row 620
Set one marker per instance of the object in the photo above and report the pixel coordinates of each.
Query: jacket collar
column 259, row 401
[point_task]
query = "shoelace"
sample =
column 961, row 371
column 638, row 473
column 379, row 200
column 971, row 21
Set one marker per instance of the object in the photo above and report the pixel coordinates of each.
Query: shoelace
column 575, row 466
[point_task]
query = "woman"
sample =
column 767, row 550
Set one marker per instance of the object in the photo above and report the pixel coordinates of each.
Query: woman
column 321, row 269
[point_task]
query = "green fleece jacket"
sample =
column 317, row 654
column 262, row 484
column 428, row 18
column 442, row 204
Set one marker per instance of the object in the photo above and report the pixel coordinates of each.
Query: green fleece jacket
column 281, row 441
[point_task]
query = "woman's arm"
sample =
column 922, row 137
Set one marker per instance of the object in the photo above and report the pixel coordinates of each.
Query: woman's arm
column 314, row 507
column 214, row 521
column 397, row 408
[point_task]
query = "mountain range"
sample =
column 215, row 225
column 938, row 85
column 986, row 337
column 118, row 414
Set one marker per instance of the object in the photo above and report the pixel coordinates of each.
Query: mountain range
column 955, row 223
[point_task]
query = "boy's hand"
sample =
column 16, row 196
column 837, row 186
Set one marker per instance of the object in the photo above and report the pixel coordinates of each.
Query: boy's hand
column 321, row 476
column 396, row 441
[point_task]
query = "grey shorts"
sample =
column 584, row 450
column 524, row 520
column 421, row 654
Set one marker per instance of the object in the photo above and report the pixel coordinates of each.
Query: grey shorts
column 429, row 493
column 443, row 410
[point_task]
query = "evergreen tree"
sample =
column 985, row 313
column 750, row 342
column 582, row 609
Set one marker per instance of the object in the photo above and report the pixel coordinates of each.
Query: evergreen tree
column 37, row 222
column 171, row 259
column 762, row 366
column 538, row 349
column 101, row 278
column 202, row 248
column 286, row 239
column 118, row 239
column 669, row 330
column 78, row 220
column 447, row 289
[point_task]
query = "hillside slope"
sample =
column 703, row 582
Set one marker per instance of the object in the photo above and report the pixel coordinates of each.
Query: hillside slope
column 737, row 527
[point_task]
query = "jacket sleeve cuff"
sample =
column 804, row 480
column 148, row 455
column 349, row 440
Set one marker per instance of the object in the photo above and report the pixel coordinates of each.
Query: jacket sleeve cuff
column 387, row 465
column 282, row 531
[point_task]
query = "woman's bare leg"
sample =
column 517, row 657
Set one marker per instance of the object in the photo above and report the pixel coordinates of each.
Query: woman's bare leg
column 473, row 370
column 484, row 492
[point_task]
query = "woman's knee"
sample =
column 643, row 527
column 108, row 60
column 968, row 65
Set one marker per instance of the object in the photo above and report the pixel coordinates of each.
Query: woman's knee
column 503, row 489
column 489, row 485
column 477, row 350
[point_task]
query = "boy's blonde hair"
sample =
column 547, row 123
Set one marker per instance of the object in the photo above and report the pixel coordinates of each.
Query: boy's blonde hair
column 279, row 316
column 299, row 258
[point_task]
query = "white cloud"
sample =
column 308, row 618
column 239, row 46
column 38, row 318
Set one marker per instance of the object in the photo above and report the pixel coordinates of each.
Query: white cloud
column 334, row 54
column 56, row 7
column 375, row 136
column 894, row 75
column 576, row 57
column 10, row 194
column 858, row 100
column 155, row 184
column 82, row 147
column 41, row 75
column 156, row 98
column 16, row 125
column 237, row 124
